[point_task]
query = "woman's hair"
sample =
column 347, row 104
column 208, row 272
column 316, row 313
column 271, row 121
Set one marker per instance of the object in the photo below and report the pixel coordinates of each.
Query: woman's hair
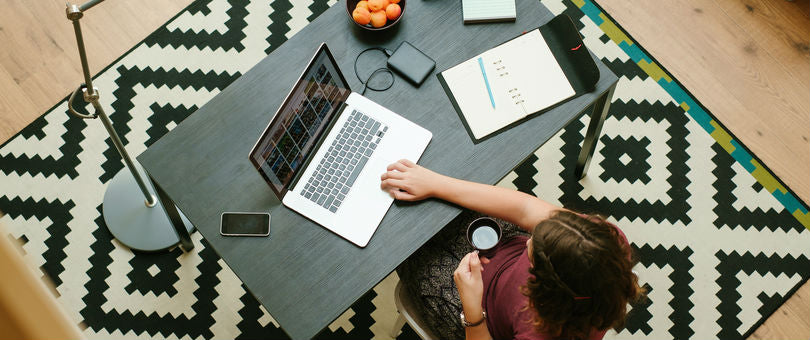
column 582, row 276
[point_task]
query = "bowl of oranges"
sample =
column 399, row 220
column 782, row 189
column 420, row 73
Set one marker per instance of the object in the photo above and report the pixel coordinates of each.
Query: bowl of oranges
column 375, row 15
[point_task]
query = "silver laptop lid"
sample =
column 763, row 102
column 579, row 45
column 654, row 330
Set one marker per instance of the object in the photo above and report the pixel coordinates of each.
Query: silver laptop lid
column 292, row 137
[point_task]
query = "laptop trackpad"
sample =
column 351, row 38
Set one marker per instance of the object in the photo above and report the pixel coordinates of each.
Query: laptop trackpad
column 366, row 197
column 370, row 182
column 366, row 207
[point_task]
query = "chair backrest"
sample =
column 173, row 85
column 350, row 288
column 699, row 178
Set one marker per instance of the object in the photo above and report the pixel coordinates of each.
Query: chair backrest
column 28, row 308
column 407, row 308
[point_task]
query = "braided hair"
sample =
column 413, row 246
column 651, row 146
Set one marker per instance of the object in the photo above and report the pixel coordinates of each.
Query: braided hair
column 581, row 279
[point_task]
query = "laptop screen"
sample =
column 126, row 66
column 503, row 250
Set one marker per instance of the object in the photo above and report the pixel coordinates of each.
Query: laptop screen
column 302, row 118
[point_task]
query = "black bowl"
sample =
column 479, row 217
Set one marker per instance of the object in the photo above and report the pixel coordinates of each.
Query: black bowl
column 352, row 4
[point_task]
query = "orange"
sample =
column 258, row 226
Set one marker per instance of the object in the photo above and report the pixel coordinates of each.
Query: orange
column 361, row 16
column 363, row 4
column 378, row 18
column 376, row 5
column 392, row 11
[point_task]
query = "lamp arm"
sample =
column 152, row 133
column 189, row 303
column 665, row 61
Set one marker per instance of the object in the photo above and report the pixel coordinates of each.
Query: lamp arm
column 87, row 5
column 74, row 13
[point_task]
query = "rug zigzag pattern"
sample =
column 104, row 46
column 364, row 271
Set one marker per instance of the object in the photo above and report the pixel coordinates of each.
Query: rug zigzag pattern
column 713, row 240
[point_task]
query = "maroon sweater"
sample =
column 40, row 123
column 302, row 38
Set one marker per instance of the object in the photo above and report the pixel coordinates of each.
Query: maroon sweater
column 507, row 315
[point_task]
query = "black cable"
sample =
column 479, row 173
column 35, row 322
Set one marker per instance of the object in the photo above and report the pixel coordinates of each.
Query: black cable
column 385, row 51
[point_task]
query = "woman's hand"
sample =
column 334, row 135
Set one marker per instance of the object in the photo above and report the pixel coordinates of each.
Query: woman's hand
column 470, row 285
column 407, row 181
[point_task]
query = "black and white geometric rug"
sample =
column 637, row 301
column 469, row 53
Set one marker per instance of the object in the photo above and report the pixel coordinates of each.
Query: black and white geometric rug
column 722, row 242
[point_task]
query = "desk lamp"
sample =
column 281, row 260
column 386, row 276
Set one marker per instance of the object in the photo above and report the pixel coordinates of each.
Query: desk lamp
column 139, row 225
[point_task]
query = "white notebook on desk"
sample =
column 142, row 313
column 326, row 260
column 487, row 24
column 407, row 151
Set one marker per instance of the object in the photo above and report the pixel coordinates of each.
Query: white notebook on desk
column 507, row 83
column 488, row 10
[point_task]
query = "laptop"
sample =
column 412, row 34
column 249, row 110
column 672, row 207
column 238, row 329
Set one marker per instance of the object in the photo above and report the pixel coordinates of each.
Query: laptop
column 326, row 148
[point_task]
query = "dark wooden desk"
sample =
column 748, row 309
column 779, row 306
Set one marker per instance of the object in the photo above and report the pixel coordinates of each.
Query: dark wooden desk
column 303, row 274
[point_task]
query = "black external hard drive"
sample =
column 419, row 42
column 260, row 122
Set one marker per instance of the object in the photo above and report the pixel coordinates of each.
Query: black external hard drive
column 411, row 63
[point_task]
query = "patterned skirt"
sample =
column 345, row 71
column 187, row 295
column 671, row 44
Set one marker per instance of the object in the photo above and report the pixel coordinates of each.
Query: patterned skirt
column 427, row 275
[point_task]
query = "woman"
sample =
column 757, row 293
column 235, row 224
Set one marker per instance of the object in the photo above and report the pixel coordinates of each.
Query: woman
column 570, row 277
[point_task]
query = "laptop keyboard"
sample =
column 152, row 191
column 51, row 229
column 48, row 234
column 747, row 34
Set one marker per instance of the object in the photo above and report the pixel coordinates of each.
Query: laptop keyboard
column 346, row 157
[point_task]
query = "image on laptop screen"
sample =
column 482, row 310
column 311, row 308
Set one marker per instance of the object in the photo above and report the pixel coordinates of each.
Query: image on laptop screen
column 302, row 118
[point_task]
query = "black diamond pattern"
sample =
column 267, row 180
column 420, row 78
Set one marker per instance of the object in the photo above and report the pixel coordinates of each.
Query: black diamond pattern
column 615, row 149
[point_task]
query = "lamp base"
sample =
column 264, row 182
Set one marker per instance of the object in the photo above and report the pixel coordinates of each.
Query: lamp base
column 131, row 222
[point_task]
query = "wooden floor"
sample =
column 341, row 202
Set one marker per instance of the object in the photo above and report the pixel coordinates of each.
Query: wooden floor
column 747, row 61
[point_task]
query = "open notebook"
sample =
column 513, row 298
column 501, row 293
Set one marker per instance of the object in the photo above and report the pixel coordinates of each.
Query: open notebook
column 520, row 77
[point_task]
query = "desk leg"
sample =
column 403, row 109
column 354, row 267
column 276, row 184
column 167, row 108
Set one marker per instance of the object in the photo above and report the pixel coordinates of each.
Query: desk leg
column 174, row 217
column 598, row 113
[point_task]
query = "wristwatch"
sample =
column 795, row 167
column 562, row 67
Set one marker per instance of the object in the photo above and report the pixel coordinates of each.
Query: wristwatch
column 466, row 323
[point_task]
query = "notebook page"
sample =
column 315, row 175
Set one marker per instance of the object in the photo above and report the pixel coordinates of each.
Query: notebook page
column 466, row 82
column 532, row 70
column 477, row 10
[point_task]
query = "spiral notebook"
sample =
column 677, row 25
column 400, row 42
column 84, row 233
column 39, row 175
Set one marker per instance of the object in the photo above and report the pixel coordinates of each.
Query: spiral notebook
column 521, row 77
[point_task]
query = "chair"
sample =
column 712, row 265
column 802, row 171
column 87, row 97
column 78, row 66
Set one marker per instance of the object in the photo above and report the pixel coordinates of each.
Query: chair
column 408, row 313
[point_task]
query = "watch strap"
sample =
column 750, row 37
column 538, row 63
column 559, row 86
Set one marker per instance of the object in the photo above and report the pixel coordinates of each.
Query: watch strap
column 466, row 323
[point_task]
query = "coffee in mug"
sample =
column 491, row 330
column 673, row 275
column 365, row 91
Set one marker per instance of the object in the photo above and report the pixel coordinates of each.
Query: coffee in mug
column 484, row 234
column 484, row 237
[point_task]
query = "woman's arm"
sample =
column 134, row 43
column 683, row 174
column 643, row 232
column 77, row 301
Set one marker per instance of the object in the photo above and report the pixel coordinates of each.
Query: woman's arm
column 470, row 287
column 411, row 182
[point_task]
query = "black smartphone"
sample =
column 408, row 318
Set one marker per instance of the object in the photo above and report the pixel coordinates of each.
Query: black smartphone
column 244, row 224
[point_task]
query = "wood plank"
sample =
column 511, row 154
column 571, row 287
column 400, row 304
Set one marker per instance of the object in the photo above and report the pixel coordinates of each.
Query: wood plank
column 13, row 102
column 778, row 28
column 752, row 92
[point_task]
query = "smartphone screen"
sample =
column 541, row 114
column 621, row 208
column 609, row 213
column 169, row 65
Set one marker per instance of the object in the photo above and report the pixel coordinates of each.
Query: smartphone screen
column 245, row 224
